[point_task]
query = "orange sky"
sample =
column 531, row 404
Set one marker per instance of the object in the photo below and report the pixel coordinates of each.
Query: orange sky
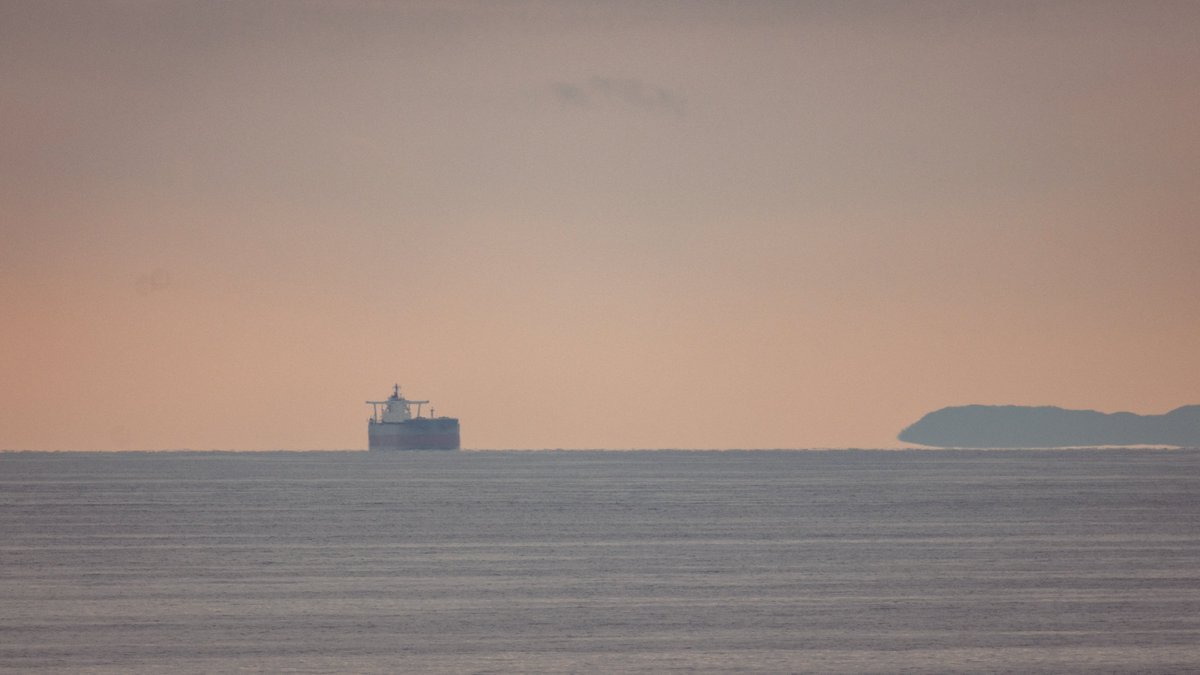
column 582, row 225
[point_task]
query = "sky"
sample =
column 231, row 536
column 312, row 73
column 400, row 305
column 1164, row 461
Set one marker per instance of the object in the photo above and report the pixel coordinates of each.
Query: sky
column 590, row 224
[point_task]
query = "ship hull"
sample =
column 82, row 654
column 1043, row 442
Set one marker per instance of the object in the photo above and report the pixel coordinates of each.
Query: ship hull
column 440, row 433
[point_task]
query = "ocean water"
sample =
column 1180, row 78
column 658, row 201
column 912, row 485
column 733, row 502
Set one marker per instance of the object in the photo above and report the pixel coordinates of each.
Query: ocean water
column 837, row 561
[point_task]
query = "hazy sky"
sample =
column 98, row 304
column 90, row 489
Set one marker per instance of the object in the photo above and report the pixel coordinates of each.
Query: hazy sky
column 590, row 225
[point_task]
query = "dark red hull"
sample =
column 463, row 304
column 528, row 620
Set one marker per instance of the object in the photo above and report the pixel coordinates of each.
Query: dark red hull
column 422, row 433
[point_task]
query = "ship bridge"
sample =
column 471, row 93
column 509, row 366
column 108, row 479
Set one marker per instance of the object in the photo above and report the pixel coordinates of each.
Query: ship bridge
column 396, row 408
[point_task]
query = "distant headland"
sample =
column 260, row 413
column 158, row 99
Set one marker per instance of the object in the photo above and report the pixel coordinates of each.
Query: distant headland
column 1011, row 426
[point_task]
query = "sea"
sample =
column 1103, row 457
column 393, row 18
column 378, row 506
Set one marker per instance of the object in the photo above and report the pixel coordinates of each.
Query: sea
column 838, row 561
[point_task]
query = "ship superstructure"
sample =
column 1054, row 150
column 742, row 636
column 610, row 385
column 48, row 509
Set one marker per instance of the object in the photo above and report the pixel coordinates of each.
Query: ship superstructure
column 393, row 426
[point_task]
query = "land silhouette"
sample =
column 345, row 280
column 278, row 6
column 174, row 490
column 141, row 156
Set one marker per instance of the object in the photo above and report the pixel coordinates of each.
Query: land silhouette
column 1011, row 426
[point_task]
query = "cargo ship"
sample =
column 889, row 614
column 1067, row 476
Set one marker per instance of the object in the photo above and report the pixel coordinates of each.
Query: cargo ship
column 393, row 426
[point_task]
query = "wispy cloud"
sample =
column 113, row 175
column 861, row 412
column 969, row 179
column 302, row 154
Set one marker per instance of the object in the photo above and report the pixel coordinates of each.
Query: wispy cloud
column 628, row 93
column 153, row 282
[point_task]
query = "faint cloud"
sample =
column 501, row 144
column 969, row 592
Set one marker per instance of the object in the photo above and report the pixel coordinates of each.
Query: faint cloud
column 569, row 93
column 153, row 282
column 121, row 436
column 627, row 93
